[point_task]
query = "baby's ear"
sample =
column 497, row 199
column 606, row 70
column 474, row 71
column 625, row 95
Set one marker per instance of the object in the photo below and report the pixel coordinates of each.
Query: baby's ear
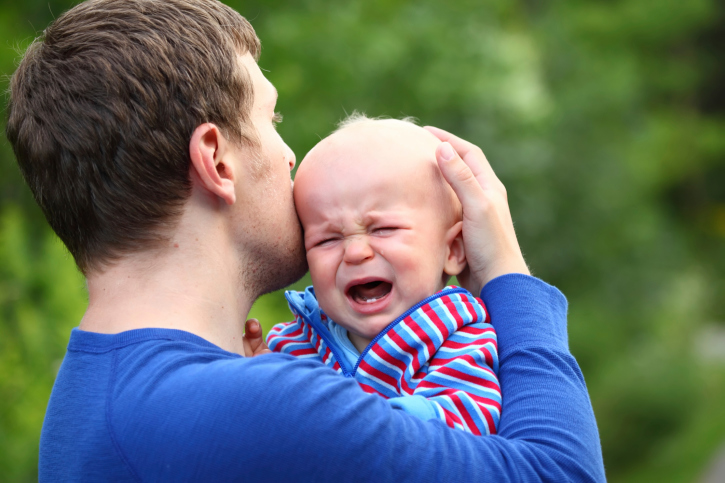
column 455, row 251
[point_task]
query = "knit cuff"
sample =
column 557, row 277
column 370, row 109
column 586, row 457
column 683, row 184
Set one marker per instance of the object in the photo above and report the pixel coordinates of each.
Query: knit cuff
column 526, row 313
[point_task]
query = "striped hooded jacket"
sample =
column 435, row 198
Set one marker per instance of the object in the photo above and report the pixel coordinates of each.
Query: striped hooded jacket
column 438, row 360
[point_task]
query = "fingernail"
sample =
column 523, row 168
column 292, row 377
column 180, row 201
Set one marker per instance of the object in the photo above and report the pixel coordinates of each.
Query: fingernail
column 447, row 152
column 253, row 325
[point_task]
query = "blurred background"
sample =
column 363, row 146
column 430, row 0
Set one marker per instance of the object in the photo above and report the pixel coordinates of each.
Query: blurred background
column 606, row 122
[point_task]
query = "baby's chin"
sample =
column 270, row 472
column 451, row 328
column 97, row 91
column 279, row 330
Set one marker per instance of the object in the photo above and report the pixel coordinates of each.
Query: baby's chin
column 364, row 328
column 369, row 326
column 359, row 341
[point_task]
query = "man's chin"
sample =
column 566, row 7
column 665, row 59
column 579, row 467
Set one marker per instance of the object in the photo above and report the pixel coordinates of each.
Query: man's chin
column 293, row 272
column 273, row 267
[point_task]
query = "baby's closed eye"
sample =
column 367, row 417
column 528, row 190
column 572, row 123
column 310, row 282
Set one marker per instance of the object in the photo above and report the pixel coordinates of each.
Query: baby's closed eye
column 326, row 241
column 385, row 230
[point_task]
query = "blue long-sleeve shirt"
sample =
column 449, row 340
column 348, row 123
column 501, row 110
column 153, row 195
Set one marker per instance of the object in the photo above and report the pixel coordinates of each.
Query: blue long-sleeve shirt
column 160, row 404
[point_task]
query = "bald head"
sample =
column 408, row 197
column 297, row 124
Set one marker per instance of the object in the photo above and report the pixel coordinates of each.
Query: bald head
column 382, row 226
column 377, row 137
column 394, row 150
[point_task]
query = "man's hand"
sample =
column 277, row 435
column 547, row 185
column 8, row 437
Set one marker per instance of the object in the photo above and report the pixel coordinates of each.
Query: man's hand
column 488, row 231
column 254, row 344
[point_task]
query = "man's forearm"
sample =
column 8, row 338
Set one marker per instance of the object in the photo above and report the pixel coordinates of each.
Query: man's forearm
column 546, row 405
column 547, row 430
column 278, row 418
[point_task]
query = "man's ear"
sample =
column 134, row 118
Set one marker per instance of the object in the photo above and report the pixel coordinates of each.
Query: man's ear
column 210, row 162
column 455, row 251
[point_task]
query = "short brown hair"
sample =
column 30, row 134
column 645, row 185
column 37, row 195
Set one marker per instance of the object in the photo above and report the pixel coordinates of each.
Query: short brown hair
column 102, row 109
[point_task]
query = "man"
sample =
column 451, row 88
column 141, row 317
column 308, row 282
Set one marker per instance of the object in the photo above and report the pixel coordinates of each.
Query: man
column 145, row 130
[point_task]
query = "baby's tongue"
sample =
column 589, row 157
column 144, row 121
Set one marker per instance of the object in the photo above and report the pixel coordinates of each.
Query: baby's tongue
column 370, row 292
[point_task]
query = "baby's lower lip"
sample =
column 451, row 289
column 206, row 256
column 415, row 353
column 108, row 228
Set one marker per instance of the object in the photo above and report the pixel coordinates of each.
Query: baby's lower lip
column 370, row 306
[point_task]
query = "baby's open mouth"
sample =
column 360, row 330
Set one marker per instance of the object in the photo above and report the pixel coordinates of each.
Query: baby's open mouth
column 367, row 293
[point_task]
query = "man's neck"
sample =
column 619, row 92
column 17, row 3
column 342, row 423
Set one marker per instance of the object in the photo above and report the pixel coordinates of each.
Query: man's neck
column 194, row 285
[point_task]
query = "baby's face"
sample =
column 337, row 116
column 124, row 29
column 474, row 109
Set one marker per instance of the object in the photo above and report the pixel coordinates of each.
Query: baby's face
column 379, row 223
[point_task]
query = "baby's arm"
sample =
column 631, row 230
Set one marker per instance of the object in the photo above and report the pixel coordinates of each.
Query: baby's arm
column 292, row 338
column 459, row 385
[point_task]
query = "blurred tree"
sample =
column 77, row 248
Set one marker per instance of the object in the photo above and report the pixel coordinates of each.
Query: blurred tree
column 42, row 297
column 605, row 120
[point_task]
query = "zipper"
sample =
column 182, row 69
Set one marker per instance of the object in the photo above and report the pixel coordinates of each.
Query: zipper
column 322, row 332
column 337, row 357
column 330, row 344
column 398, row 320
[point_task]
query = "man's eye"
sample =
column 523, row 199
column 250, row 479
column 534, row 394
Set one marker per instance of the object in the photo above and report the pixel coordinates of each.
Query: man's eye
column 277, row 118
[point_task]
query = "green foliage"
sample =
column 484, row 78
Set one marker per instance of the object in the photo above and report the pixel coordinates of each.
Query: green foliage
column 42, row 297
column 605, row 121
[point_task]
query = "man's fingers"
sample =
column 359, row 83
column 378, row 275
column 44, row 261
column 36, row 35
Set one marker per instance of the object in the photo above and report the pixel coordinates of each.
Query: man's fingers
column 462, row 146
column 470, row 153
column 467, row 151
column 459, row 176
column 488, row 233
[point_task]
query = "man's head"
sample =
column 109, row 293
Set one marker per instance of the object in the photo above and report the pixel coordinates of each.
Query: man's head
column 382, row 227
column 103, row 107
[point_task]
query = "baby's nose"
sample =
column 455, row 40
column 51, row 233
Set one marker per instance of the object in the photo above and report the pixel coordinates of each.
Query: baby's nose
column 357, row 250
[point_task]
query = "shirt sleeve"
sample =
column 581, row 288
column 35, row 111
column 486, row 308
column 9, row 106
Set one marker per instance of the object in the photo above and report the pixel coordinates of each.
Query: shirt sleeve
column 279, row 418
column 292, row 338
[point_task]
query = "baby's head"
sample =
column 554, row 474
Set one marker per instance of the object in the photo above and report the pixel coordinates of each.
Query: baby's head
column 382, row 226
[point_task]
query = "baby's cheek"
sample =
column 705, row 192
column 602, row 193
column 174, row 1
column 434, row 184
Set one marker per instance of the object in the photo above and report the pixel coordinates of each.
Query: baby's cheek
column 323, row 272
column 320, row 264
column 326, row 299
column 412, row 260
column 423, row 275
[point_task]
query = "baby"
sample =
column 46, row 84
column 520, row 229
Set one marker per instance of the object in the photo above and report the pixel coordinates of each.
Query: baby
column 382, row 232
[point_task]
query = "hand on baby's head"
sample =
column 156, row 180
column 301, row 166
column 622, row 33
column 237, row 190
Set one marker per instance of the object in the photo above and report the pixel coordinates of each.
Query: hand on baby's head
column 382, row 227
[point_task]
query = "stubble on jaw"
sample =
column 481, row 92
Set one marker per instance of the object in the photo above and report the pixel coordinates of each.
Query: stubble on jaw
column 273, row 266
column 275, row 257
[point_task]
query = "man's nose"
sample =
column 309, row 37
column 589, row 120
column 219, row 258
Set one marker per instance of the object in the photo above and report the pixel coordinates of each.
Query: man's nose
column 291, row 158
column 357, row 250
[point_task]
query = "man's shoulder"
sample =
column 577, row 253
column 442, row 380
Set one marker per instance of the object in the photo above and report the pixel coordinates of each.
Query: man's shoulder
column 151, row 404
column 170, row 402
column 165, row 368
column 170, row 370
column 142, row 375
